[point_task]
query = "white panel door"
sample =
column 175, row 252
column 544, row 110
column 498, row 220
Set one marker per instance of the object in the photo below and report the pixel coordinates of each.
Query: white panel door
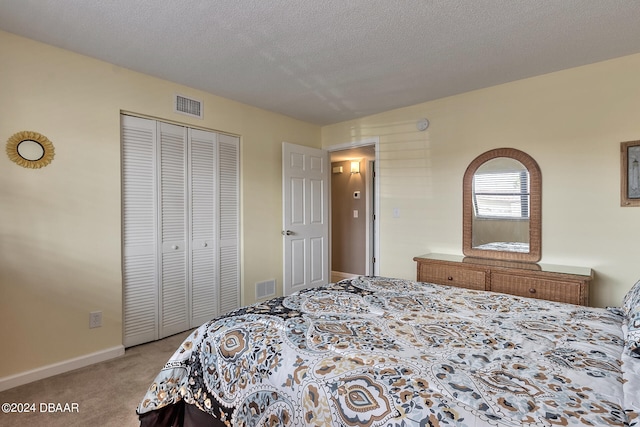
column 174, row 289
column 305, row 180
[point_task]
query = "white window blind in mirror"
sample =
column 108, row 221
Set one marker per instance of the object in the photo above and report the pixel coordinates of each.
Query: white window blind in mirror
column 501, row 195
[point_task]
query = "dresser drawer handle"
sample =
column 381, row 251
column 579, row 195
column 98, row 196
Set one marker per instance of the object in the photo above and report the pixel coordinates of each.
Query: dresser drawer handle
column 532, row 290
column 449, row 278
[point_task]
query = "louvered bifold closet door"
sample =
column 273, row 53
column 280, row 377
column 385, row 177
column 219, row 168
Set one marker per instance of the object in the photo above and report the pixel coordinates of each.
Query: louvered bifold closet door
column 181, row 259
column 139, row 264
column 174, row 289
column 229, row 221
column 204, row 268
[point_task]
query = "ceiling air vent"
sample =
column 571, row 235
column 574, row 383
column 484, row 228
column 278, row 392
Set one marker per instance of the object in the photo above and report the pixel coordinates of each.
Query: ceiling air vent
column 189, row 106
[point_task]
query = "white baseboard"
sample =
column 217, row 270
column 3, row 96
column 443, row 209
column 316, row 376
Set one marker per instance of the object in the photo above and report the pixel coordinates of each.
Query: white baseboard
column 58, row 368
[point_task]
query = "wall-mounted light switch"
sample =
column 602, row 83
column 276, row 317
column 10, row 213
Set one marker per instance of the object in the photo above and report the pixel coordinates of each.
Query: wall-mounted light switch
column 355, row 213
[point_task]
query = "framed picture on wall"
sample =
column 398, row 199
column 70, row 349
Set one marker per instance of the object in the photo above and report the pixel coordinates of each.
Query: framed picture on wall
column 630, row 173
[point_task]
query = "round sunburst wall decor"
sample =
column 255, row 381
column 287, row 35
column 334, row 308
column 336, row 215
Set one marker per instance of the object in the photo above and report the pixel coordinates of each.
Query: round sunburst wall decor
column 30, row 149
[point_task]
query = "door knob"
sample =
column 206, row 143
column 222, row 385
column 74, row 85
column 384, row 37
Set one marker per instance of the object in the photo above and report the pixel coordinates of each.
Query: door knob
column 287, row 232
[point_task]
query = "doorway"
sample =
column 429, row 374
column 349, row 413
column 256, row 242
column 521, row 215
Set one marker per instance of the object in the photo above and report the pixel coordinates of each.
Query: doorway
column 354, row 209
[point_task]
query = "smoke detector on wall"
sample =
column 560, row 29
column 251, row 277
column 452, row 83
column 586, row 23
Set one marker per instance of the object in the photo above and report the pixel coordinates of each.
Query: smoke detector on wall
column 422, row 124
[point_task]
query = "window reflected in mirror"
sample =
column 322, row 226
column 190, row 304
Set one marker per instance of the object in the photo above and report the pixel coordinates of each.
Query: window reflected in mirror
column 501, row 206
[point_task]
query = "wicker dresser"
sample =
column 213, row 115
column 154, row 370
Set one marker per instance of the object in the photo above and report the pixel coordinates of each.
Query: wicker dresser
column 550, row 282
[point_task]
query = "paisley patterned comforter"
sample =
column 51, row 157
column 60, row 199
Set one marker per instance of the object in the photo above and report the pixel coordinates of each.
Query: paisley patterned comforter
column 389, row 352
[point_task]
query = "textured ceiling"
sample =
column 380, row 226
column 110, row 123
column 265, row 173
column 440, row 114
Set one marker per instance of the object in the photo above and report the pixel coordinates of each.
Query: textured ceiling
column 326, row 61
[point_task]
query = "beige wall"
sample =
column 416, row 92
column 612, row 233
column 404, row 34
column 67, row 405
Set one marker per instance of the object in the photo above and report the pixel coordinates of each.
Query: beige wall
column 60, row 229
column 571, row 122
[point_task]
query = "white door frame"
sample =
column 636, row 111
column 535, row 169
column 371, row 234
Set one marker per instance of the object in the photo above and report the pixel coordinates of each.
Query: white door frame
column 375, row 141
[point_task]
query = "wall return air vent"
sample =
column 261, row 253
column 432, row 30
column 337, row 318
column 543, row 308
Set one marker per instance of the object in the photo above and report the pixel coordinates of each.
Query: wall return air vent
column 265, row 289
column 189, row 106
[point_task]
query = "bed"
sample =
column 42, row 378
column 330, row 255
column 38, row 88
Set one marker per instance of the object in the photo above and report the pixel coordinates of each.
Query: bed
column 375, row 351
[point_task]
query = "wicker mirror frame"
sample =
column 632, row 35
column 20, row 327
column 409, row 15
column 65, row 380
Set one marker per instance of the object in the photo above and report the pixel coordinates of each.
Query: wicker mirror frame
column 535, row 208
column 45, row 152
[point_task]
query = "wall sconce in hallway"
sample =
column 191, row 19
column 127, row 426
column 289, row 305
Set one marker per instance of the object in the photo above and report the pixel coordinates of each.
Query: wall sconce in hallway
column 355, row 167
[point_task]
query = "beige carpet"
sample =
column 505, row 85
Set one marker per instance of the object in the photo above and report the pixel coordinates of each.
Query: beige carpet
column 106, row 393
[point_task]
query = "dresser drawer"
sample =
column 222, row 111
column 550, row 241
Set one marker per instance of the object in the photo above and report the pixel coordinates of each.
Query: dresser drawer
column 470, row 278
column 552, row 290
column 550, row 282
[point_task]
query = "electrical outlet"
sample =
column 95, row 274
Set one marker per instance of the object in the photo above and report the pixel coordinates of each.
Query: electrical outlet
column 95, row 319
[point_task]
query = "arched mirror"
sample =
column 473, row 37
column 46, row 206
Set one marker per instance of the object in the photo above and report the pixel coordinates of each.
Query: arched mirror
column 502, row 206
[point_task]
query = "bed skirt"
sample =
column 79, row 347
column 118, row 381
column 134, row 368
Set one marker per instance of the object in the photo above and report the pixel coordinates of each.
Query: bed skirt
column 179, row 414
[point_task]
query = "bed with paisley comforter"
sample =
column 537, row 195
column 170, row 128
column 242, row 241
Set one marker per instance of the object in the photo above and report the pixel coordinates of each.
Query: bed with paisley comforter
column 373, row 351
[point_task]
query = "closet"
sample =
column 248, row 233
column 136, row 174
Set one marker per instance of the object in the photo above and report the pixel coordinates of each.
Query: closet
column 180, row 222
